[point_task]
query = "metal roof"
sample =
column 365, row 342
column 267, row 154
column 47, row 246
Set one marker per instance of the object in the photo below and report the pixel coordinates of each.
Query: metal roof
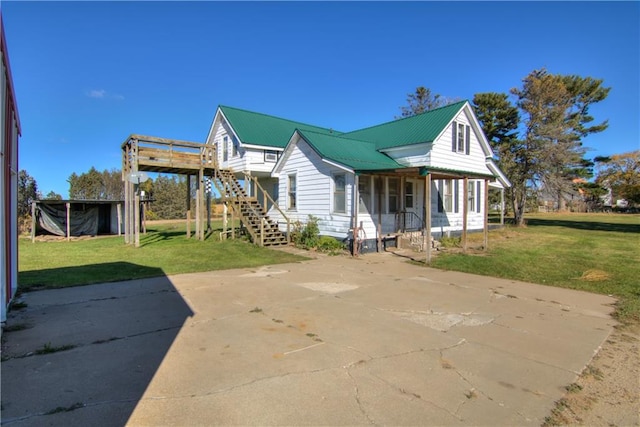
column 261, row 129
column 416, row 129
column 354, row 154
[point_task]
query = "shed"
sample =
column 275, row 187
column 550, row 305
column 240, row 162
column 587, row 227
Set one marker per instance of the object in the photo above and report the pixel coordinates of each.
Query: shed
column 77, row 217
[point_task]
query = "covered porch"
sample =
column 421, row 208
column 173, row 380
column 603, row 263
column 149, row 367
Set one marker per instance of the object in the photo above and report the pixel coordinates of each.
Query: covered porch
column 391, row 204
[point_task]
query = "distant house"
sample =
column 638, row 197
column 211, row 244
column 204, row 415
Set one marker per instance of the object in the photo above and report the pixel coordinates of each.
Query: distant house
column 377, row 176
column 10, row 124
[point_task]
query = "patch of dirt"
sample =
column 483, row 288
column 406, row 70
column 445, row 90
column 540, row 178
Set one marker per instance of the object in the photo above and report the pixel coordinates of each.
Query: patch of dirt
column 595, row 276
column 607, row 393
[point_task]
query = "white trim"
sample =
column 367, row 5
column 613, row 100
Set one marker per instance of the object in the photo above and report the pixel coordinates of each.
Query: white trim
column 263, row 147
column 497, row 172
column 337, row 165
column 405, row 147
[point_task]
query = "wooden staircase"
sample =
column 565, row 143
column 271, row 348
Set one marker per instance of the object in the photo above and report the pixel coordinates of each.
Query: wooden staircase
column 263, row 230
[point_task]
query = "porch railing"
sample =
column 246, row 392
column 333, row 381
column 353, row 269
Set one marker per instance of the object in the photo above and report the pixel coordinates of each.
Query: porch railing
column 408, row 221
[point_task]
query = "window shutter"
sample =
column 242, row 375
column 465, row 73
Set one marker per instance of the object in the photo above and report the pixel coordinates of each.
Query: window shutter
column 455, row 195
column 478, row 198
column 468, row 141
column 454, row 133
column 440, row 203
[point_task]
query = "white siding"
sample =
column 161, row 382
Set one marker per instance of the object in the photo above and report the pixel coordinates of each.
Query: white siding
column 247, row 159
column 443, row 157
column 411, row 156
column 314, row 192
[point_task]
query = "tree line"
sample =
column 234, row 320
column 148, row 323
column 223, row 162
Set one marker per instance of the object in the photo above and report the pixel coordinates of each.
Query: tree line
column 536, row 132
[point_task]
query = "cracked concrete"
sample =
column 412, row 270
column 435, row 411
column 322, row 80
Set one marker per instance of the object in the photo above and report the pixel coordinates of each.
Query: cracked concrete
column 368, row 341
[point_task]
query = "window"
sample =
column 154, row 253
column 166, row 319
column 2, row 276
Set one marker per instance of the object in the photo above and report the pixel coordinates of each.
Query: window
column 461, row 138
column 471, row 197
column 234, row 146
column 393, row 194
column 270, row 156
column 291, row 192
column 448, row 196
column 339, row 199
column 364, row 188
column 225, row 148
column 408, row 195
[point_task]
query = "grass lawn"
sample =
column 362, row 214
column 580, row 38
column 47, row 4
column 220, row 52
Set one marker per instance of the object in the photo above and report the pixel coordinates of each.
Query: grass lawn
column 163, row 250
column 592, row 252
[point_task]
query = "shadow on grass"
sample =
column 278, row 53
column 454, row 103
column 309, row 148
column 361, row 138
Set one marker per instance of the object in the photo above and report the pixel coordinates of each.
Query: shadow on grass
column 63, row 277
column 584, row 225
column 110, row 340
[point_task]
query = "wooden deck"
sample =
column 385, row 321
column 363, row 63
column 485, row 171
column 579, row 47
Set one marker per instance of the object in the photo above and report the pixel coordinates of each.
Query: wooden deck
column 153, row 154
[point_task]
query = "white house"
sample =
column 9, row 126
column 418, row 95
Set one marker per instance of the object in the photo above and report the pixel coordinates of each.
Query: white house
column 10, row 126
column 378, row 177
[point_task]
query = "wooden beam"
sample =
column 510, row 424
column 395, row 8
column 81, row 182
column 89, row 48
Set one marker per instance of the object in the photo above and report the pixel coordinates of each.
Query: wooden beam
column 119, row 213
column 136, row 216
column 465, row 202
column 502, row 206
column 68, row 221
column 427, row 221
column 33, row 222
column 188, row 206
column 486, row 215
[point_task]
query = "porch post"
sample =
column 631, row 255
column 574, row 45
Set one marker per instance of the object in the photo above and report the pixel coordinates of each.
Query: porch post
column 427, row 217
column 502, row 206
column 379, row 227
column 486, row 215
column 354, row 209
column 465, row 201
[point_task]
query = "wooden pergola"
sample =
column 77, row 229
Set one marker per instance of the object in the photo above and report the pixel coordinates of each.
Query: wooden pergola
column 142, row 153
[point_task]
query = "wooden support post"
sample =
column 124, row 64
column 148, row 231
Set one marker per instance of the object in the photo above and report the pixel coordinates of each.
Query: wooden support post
column 143, row 213
column 427, row 217
column 502, row 206
column 354, row 219
column 125, row 182
column 188, row 206
column 261, row 231
column 201, row 210
column 379, row 227
column 136, row 216
column 198, row 206
column 119, row 214
column 225, row 220
column 486, row 215
column 68, row 221
column 233, row 224
column 33, row 222
column 465, row 202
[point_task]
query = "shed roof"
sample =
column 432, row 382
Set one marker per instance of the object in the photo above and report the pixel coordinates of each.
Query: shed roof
column 352, row 153
column 262, row 129
column 416, row 129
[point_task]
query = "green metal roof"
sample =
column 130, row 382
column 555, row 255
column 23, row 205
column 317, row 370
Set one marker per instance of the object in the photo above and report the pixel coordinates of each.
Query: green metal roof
column 416, row 129
column 262, row 129
column 354, row 154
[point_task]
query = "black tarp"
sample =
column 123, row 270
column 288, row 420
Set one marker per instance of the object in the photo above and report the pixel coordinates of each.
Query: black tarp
column 53, row 219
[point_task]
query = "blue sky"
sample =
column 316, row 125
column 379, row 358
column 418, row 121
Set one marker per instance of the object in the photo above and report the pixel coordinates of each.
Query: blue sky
column 88, row 74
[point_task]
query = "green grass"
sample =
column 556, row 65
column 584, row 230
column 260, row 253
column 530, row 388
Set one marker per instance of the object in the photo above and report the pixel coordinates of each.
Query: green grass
column 163, row 250
column 592, row 252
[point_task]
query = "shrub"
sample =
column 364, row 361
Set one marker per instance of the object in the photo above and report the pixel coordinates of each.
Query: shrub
column 306, row 235
column 330, row 245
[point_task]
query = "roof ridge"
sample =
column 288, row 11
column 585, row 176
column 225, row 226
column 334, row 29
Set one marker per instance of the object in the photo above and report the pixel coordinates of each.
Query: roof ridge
column 340, row 135
column 410, row 117
column 273, row 117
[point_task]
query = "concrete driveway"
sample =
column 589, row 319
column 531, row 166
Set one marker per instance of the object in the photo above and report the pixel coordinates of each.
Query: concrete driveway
column 332, row 341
